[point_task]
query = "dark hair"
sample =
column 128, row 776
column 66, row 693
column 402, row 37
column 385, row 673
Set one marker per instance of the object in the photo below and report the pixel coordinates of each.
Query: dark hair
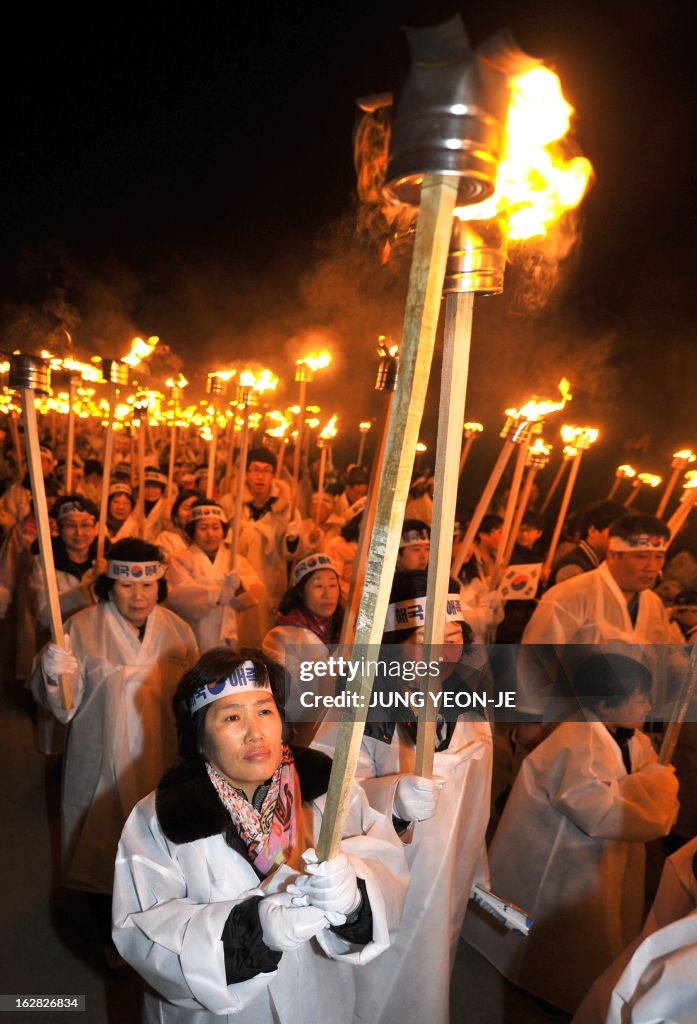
column 356, row 475
column 631, row 525
column 87, row 506
column 599, row 516
column 131, row 549
column 179, row 501
column 190, row 527
column 414, row 524
column 261, row 455
column 534, row 519
column 216, row 664
column 489, row 523
column 610, row 678
column 352, row 528
column 410, row 583
column 94, row 466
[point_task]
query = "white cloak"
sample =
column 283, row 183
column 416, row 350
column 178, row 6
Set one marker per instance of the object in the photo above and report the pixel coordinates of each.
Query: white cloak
column 570, row 851
column 171, row 903
column 121, row 735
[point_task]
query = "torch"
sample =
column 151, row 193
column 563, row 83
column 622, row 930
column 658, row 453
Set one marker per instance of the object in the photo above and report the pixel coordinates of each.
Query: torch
column 216, row 386
column 363, row 429
column 519, row 428
column 583, row 438
column 324, row 441
column 621, row 473
column 305, row 370
column 176, row 391
column 681, row 460
column 471, row 431
column 116, row 374
column 141, row 407
column 11, row 410
column 647, row 479
column 446, row 142
column 386, row 382
column 537, row 459
column 569, row 453
column 689, row 496
column 29, row 375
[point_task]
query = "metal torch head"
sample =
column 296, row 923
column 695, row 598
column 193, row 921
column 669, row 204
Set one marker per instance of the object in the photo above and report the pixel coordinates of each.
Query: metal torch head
column 477, row 257
column 451, row 115
column 387, row 374
column 29, row 372
column 115, row 372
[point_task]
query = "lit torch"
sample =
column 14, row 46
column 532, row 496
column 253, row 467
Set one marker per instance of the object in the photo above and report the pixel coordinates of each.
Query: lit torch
column 521, row 425
column 582, row 438
column 176, row 389
column 642, row 480
column 569, row 453
column 116, row 375
column 471, row 431
column 363, row 430
column 681, row 460
column 324, row 441
column 621, row 473
column 689, row 496
column 305, row 370
column 217, row 385
column 538, row 458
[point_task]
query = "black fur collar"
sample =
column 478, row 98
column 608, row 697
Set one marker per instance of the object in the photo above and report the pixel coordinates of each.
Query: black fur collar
column 188, row 806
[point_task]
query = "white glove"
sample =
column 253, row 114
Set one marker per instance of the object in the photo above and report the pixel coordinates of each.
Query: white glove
column 56, row 662
column 230, row 586
column 285, row 926
column 330, row 886
column 447, row 761
column 416, row 798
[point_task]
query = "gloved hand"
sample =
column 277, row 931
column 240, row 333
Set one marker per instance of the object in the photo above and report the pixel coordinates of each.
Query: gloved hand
column 416, row 798
column 447, row 761
column 231, row 584
column 330, row 886
column 285, row 926
column 57, row 662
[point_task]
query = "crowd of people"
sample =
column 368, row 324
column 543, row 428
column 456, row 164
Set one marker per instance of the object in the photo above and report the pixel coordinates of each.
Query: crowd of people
column 192, row 798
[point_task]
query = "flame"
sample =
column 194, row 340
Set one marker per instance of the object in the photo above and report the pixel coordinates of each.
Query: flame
column 180, row 383
column 329, row 431
column 473, row 428
column 650, row 479
column 421, row 447
column 579, row 437
column 262, row 381
column 539, row 448
column 625, row 471
column 315, row 361
column 365, row 426
column 686, row 455
column 570, row 451
column 140, row 350
column 4, row 366
column 387, row 347
column 87, row 372
column 283, row 423
column 534, row 411
column 312, row 423
column 536, row 184
column 690, row 480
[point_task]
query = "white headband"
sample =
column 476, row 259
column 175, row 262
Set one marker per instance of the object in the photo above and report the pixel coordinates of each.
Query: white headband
column 411, row 614
column 72, row 506
column 309, row 564
column 121, row 489
column 207, row 512
column 639, row 542
column 410, row 537
column 135, row 571
column 242, row 679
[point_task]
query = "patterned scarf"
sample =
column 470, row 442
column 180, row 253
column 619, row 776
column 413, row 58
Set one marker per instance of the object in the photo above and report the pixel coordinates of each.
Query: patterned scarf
column 268, row 833
column 326, row 629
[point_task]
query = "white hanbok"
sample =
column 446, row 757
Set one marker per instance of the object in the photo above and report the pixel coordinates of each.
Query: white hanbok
column 121, row 735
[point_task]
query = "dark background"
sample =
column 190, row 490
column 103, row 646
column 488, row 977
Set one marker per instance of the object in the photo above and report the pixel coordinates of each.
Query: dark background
column 191, row 176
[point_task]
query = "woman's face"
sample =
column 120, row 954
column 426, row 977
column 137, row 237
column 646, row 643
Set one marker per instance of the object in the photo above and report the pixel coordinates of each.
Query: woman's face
column 208, row 535
column 77, row 531
column 120, row 508
column 135, row 599
column 321, row 593
column 184, row 511
column 242, row 738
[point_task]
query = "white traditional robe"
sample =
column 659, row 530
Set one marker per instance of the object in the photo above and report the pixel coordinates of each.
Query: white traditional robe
column 121, row 735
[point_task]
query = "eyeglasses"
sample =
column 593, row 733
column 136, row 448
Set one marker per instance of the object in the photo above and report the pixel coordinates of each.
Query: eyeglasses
column 262, row 469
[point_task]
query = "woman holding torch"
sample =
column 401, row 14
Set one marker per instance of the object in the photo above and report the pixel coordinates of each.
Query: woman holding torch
column 124, row 658
column 219, row 901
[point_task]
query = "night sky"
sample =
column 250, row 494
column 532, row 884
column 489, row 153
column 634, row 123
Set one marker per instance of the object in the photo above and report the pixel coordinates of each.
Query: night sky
column 191, row 175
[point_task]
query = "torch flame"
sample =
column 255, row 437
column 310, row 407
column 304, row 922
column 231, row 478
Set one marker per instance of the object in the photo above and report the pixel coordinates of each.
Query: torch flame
column 533, row 411
column 387, row 347
column 421, row 447
column 180, row 382
column 690, row 480
column 686, row 454
column 140, row 350
column 365, row 426
column 570, row 451
column 540, row 447
column 473, row 428
column 579, row 437
column 315, row 361
column 283, row 423
column 650, row 479
column 625, row 471
column 262, row 381
column 536, row 184
column 330, row 430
